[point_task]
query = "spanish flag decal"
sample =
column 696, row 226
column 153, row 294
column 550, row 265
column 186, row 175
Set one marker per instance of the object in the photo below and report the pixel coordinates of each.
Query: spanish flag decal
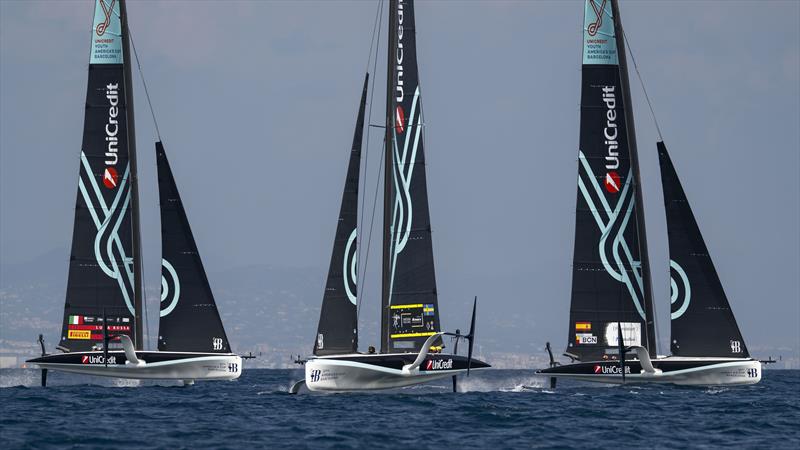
column 583, row 326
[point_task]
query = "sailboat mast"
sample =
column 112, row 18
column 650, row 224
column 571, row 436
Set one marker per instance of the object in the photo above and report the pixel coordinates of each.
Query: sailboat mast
column 391, row 49
column 650, row 334
column 137, row 241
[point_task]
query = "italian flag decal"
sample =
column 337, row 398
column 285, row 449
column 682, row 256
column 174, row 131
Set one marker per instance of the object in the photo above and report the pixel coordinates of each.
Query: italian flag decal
column 76, row 320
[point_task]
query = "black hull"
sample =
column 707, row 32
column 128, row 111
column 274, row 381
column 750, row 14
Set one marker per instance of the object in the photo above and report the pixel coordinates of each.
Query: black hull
column 396, row 361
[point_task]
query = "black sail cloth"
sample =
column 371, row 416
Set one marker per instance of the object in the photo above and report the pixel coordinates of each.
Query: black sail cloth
column 337, row 332
column 411, row 309
column 610, row 283
column 702, row 321
column 102, row 267
column 189, row 319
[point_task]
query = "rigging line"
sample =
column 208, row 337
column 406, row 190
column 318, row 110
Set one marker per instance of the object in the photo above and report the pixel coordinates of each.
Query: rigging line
column 641, row 82
column 158, row 133
column 369, row 236
column 376, row 42
column 660, row 138
column 375, row 25
column 144, row 83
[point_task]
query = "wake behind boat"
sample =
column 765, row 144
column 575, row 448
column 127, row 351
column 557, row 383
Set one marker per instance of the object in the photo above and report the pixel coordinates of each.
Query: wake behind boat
column 102, row 326
column 411, row 336
column 611, row 336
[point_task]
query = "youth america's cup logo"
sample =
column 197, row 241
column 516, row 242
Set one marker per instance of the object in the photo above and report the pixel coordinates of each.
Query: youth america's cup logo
column 407, row 133
column 598, row 11
column 613, row 220
column 108, row 10
column 108, row 248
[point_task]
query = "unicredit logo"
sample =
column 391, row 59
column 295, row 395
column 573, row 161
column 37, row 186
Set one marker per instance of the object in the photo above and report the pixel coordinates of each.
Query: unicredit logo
column 112, row 140
column 439, row 364
column 399, row 120
column 399, row 93
column 612, row 182
column 610, row 133
column 614, row 370
column 97, row 359
column 110, row 177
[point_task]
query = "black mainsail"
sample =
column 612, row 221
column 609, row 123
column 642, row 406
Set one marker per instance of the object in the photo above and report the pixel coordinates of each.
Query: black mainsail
column 337, row 332
column 189, row 319
column 610, row 276
column 410, row 312
column 701, row 317
column 104, row 268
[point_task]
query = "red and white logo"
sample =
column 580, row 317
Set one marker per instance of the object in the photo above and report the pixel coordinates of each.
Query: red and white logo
column 110, row 177
column 612, row 182
column 439, row 364
column 107, row 11
column 595, row 26
column 85, row 359
column 597, row 369
column 399, row 120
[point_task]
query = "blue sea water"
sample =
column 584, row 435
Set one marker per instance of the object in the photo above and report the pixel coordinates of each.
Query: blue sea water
column 498, row 409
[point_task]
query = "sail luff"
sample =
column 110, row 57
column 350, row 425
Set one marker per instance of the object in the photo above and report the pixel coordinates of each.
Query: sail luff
column 388, row 177
column 337, row 329
column 650, row 334
column 134, row 180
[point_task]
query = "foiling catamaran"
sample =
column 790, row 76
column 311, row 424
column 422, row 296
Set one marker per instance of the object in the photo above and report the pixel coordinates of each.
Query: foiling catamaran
column 611, row 335
column 411, row 336
column 102, row 326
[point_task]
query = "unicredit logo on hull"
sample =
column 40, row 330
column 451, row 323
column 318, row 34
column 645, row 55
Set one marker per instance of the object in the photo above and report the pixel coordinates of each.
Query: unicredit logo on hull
column 612, row 370
column 439, row 364
column 98, row 359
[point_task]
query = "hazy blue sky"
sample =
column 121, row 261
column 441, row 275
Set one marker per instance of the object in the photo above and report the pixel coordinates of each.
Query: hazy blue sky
column 256, row 103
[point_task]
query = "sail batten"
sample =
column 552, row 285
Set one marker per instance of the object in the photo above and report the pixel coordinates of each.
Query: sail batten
column 610, row 274
column 337, row 331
